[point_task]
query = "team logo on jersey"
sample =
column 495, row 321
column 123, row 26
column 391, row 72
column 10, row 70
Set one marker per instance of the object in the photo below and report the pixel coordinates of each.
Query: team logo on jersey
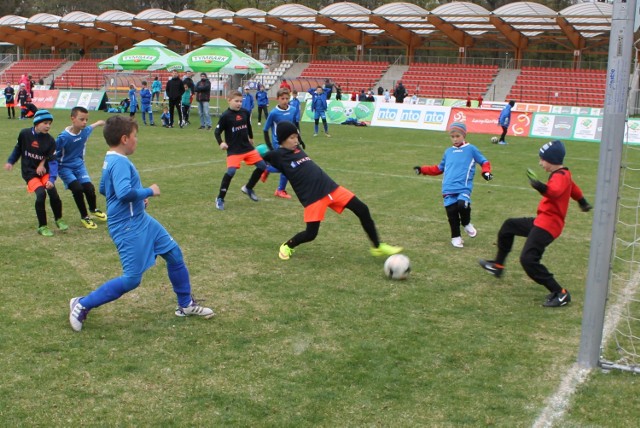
column 35, row 145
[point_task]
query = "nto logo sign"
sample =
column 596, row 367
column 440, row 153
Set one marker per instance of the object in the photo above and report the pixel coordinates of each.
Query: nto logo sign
column 410, row 116
column 388, row 114
column 434, row 117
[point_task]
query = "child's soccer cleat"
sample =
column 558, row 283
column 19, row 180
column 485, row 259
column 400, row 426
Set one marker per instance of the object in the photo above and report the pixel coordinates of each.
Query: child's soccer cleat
column 62, row 225
column 194, row 309
column 250, row 193
column 264, row 176
column 220, row 204
column 315, row 135
column 77, row 314
column 282, row 194
column 285, row 252
column 88, row 223
column 45, row 231
column 99, row 215
column 457, row 242
column 326, row 134
column 555, row 300
column 471, row 231
column 385, row 250
column 491, row 267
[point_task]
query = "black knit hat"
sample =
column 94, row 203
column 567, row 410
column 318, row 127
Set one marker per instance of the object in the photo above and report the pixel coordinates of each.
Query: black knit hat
column 284, row 130
column 553, row 152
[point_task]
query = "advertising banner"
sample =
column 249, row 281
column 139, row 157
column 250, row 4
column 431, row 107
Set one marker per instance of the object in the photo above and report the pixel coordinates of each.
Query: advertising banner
column 45, row 98
column 483, row 121
column 90, row 100
column 340, row 111
column 411, row 116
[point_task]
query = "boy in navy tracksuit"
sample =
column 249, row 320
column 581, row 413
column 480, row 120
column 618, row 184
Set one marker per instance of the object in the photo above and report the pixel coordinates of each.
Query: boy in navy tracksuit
column 262, row 100
column 319, row 109
column 317, row 192
column 145, row 102
column 458, row 165
column 542, row 230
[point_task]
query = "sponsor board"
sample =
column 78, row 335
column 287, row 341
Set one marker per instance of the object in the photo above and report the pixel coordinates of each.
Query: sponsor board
column 90, row 100
column 340, row 111
column 482, row 121
column 411, row 116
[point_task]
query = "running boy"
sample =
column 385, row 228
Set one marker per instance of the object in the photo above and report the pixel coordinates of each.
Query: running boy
column 71, row 145
column 36, row 150
column 138, row 237
column 319, row 109
column 282, row 112
column 317, row 192
column 145, row 104
column 543, row 229
column 458, row 165
column 238, row 142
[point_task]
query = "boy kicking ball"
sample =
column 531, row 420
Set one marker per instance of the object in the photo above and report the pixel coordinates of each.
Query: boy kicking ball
column 138, row 237
column 542, row 230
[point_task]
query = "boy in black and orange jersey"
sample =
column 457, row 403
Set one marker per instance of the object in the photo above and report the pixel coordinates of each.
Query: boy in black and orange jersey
column 235, row 122
column 543, row 229
column 36, row 150
column 316, row 191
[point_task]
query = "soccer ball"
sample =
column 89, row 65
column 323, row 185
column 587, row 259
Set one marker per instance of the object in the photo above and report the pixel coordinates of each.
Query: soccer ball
column 494, row 140
column 397, row 266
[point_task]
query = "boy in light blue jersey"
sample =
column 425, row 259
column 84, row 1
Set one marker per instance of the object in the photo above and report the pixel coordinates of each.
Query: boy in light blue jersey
column 247, row 101
column 294, row 103
column 458, row 165
column 138, row 237
column 71, row 146
column 145, row 104
column 133, row 100
column 262, row 100
column 319, row 108
column 282, row 112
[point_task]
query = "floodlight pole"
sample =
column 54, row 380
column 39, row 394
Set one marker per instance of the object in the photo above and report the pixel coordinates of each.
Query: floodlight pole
column 608, row 181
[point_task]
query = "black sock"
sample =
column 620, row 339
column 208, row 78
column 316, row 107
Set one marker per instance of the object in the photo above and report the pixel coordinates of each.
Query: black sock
column 226, row 180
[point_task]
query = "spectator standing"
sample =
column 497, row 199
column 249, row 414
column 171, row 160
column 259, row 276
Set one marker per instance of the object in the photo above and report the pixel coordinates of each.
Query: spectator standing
column 203, row 96
column 156, row 88
column 480, row 101
column 247, row 101
column 285, row 85
column 338, row 92
column 186, row 105
column 262, row 99
column 188, row 80
column 400, row 93
column 174, row 91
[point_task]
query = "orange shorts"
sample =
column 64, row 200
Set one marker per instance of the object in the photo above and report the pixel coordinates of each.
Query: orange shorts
column 36, row 182
column 10, row 104
column 250, row 158
column 335, row 200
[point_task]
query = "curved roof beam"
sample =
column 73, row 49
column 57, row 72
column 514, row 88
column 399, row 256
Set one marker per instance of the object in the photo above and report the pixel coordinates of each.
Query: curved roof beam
column 191, row 20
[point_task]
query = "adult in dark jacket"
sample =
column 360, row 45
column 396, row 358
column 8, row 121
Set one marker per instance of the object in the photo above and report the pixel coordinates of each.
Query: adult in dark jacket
column 400, row 93
column 174, row 90
column 203, row 95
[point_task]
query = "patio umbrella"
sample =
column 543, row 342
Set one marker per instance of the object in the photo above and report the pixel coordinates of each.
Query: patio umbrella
column 220, row 56
column 148, row 55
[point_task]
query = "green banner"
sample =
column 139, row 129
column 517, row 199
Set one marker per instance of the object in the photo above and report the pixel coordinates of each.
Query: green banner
column 340, row 111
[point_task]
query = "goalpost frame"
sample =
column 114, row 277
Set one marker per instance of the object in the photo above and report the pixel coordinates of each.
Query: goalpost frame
column 608, row 181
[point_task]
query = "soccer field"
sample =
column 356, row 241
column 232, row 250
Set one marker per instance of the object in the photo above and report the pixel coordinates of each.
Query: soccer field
column 323, row 339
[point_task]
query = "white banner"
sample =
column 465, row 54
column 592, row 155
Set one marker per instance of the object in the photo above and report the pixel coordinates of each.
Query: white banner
column 433, row 118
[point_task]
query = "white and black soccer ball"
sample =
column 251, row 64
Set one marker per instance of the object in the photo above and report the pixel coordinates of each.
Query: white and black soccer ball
column 494, row 140
column 397, row 266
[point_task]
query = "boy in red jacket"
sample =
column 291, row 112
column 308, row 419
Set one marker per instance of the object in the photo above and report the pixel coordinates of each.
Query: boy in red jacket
column 542, row 230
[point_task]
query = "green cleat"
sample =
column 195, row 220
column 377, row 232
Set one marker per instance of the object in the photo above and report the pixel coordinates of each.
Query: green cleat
column 285, row 252
column 385, row 250
column 62, row 225
column 45, row 231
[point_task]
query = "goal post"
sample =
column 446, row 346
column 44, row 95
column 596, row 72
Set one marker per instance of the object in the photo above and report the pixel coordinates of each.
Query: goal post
column 608, row 182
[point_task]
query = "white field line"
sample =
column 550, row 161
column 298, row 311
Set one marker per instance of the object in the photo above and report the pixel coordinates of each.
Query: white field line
column 559, row 401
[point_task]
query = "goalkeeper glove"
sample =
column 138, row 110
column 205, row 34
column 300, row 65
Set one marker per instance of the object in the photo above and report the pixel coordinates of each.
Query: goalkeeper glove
column 532, row 175
column 584, row 205
column 535, row 183
column 487, row 176
column 418, row 170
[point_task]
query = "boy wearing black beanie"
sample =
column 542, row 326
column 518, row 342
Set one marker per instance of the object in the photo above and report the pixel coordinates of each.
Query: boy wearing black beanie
column 316, row 191
column 543, row 229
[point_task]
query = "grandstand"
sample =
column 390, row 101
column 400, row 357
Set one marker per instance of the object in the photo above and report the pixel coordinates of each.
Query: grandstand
column 351, row 75
column 38, row 69
column 448, row 81
column 560, row 86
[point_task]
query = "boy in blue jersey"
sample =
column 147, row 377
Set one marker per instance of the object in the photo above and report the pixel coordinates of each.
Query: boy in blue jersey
column 319, row 109
column 262, row 100
column 71, row 146
column 317, row 192
column 504, row 120
column 458, row 165
column 282, row 112
column 138, row 237
column 238, row 142
column 294, row 103
column 145, row 104
column 36, row 150
column 133, row 100
column 247, row 101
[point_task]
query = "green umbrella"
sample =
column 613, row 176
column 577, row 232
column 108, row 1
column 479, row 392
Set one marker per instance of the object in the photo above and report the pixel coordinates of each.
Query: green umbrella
column 146, row 55
column 220, row 56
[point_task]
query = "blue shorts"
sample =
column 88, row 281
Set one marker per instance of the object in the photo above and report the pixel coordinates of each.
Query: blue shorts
column 133, row 108
column 453, row 198
column 146, row 108
column 319, row 114
column 140, row 244
column 69, row 175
